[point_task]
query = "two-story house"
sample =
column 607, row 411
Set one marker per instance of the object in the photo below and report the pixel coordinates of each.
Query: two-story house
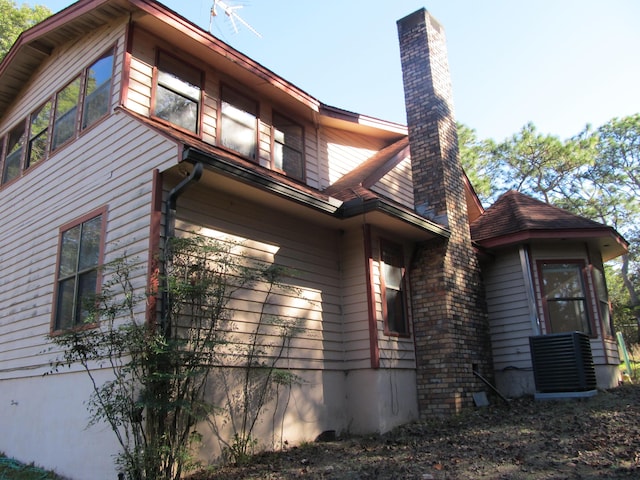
column 109, row 105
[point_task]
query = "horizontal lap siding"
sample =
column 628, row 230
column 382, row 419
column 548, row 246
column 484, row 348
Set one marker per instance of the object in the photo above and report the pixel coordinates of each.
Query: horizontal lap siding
column 102, row 167
column 343, row 151
column 509, row 313
column 397, row 184
column 310, row 252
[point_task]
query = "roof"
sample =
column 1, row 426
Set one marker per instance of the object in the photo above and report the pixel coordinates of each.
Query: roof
column 517, row 218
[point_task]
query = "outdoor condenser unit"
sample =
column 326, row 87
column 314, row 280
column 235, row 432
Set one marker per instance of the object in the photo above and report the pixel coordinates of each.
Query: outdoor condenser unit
column 563, row 365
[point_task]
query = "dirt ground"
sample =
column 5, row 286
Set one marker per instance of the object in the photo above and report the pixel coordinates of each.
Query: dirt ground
column 594, row 438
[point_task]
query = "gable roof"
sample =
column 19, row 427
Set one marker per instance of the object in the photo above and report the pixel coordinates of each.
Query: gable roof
column 517, row 218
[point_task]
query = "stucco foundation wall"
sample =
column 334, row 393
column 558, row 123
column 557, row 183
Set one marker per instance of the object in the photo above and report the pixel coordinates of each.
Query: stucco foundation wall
column 379, row 400
column 48, row 423
column 607, row 376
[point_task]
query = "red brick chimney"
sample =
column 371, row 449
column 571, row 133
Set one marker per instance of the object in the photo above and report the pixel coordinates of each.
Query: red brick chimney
column 449, row 312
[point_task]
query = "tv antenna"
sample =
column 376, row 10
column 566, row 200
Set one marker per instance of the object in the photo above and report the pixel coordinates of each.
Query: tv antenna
column 230, row 11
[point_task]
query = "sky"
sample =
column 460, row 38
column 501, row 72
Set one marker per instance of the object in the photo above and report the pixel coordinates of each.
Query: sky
column 561, row 64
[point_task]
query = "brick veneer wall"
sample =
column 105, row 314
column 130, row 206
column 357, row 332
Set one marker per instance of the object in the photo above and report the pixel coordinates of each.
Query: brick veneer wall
column 450, row 319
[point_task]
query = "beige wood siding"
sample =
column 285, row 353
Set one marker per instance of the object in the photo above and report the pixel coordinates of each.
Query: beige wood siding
column 343, row 151
column 509, row 313
column 105, row 167
column 355, row 307
column 310, row 252
column 397, row 185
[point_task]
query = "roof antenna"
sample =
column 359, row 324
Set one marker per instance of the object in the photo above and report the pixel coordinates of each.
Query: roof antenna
column 230, row 11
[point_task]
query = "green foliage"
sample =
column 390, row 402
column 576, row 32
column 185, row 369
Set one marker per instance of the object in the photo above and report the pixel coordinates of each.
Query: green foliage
column 157, row 396
column 593, row 174
column 17, row 19
column 11, row 469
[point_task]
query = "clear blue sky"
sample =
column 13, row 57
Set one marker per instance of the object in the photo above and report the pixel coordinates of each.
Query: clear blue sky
column 558, row 63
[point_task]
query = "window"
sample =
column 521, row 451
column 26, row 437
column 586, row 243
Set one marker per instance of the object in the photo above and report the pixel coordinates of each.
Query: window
column 177, row 97
column 66, row 113
column 563, row 295
column 239, row 123
column 97, row 90
column 13, row 155
column 38, row 135
column 288, row 147
column 77, row 280
column 393, row 289
column 603, row 301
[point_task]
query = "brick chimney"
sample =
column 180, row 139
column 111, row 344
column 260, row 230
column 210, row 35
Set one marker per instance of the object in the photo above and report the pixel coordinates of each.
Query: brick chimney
column 449, row 312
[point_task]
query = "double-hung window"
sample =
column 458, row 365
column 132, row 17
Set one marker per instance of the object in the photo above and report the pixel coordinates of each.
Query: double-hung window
column 288, row 144
column 178, row 91
column 239, row 123
column 80, row 255
column 13, row 153
column 38, row 135
column 66, row 113
column 392, row 281
column 564, row 296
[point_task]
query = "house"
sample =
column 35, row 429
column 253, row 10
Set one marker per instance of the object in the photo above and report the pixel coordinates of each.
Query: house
column 109, row 105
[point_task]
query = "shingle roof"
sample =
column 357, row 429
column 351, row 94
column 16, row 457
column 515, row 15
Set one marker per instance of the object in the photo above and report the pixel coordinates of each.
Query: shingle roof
column 515, row 218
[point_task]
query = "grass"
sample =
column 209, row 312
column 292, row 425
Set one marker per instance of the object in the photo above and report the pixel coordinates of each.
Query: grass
column 11, row 469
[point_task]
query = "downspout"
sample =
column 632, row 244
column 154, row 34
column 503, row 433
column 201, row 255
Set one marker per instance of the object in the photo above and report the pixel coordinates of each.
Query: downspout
column 169, row 232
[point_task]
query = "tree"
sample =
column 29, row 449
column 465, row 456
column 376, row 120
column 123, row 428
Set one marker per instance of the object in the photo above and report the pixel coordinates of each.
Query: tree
column 15, row 20
column 594, row 174
column 157, row 396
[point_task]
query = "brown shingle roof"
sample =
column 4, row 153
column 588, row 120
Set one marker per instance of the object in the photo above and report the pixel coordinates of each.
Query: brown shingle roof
column 515, row 218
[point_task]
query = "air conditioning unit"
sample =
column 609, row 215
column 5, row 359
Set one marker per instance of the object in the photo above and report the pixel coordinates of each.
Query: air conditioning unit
column 563, row 365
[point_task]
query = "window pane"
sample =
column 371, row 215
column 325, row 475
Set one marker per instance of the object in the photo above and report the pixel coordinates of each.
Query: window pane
column 69, row 252
column 64, row 125
column 392, row 273
column 174, row 108
column 562, row 281
column 12, row 162
column 239, row 124
column 568, row 316
column 90, row 246
column 64, row 310
column 178, row 93
column 86, row 295
column 39, row 134
column 395, row 311
column 97, row 90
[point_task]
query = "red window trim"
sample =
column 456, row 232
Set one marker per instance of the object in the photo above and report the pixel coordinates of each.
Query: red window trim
column 273, row 149
column 585, row 283
column 152, row 109
column 88, row 216
column 219, row 129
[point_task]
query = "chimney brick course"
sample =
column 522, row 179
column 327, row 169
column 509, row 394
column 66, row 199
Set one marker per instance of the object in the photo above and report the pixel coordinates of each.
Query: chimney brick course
column 450, row 318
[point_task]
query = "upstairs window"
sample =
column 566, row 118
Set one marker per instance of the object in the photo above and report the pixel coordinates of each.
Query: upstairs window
column 97, row 90
column 177, row 98
column 38, row 135
column 392, row 280
column 66, row 113
column 77, row 281
column 564, row 296
column 288, row 144
column 239, row 123
column 13, row 154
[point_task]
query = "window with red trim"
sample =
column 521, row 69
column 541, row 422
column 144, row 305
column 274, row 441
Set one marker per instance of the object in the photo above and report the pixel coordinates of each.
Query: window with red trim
column 394, row 308
column 239, row 123
column 77, row 279
column 564, row 296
